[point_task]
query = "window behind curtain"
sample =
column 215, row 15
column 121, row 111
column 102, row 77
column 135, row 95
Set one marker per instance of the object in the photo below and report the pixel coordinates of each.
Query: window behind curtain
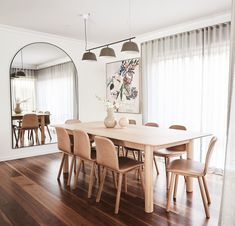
column 24, row 88
column 56, row 91
column 185, row 81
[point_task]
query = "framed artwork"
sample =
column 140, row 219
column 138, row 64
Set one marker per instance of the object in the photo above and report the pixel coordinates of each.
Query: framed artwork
column 123, row 84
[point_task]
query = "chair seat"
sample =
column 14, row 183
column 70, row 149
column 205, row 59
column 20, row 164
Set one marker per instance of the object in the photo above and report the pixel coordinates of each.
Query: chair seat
column 168, row 153
column 186, row 167
column 127, row 164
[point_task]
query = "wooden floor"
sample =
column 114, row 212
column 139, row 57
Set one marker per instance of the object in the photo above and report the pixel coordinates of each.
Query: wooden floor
column 31, row 195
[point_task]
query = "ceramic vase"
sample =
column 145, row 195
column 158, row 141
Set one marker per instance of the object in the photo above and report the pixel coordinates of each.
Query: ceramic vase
column 17, row 109
column 123, row 122
column 110, row 121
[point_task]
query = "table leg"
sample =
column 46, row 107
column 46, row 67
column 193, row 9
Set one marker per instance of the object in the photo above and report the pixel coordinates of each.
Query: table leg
column 148, row 169
column 42, row 121
column 189, row 181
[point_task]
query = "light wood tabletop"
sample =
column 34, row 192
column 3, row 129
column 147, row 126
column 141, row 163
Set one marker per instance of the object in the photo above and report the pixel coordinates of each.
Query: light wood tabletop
column 143, row 138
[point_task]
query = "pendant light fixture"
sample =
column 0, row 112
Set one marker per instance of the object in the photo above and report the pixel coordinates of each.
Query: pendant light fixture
column 107, row 52
column 130, row 47
column 88, row 55
column 19, row 73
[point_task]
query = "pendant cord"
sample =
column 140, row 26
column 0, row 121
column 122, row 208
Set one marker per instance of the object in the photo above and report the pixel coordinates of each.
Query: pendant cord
column 85, row 27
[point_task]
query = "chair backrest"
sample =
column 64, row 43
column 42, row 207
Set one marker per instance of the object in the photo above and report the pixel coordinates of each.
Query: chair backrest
column 63, row 140
column 47, row 118
column 209, row 153
column 182, row 147
column 82, row 147
column 106, row 153
column 30, row 121
column 153, row 124
column 72, row 121
column 132, row 121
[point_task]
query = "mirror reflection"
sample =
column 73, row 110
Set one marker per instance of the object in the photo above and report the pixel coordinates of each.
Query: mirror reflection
column 43, row 92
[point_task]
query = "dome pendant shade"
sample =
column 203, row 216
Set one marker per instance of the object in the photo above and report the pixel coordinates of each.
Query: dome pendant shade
column 107, row 52
column 130, row 46
column 20, row 74
column 89, row 56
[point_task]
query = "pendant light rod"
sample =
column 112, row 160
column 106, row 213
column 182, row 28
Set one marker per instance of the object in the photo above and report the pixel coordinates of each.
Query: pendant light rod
column 111, row 43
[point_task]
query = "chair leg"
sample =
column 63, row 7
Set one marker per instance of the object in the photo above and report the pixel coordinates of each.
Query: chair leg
column 37, row 140
column 170, row 192
column 75, row 165
column 118, row 193
column 176, row 186
column 101, row 185
column 203, row 197
column 70, row 171
column 167, row 173
column 114, row 180
column 77, row 171
column 156, row 166
column 49, row 132
column 61, row 166
column 125, row 182
column 133, row 153
column 142, row 178
column 206, row 190
column 91, row 179
column 83, row 167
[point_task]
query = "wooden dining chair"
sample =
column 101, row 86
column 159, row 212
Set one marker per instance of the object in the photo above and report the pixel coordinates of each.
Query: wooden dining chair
column 29, row 123
column 190, row 168
column 108, row 158
column 65, row 146
column 153, row 124
column 82, row 150
column 132, row 150
column 176, row 151
column 48, row 122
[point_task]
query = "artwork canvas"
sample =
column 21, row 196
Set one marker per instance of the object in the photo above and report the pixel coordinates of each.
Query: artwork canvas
column 123, row 84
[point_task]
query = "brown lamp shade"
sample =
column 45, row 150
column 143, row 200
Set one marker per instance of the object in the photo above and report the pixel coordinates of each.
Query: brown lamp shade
column 130, row 47
column 89, row 56
column 107, row 52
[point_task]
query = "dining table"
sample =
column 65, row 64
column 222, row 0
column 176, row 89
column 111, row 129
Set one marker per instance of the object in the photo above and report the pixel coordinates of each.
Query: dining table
column 41, row 117
column 145, row 138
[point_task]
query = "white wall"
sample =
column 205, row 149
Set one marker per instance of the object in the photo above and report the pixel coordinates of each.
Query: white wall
column 91, row 79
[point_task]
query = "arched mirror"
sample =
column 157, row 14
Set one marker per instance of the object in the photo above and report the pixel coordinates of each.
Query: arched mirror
column 44, row 92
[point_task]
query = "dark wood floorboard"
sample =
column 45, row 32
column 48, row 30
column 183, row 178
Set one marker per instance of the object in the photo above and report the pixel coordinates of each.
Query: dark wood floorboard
column 31, row 195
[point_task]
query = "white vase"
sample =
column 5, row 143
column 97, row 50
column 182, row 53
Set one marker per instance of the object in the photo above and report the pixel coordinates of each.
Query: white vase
column 109, row 120
column 123, row 122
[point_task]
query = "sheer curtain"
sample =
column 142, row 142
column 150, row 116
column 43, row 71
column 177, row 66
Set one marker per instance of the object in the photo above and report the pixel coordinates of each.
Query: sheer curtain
column 56, row 91
column 227, row 209
column 184, row 81
column 24, row 88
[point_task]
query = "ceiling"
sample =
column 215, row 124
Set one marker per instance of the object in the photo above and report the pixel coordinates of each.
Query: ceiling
column 38, row 54
column 109, row 18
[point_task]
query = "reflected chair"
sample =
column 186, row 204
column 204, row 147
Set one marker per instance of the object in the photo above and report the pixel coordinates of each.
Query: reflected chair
column 48, row 122
column 190, row 168
column 107, row 157
column 64, row 145
column 176, row 151
column 82, row 150
column 29, row 123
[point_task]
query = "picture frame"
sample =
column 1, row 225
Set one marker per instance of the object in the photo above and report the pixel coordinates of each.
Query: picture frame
column 123, row 84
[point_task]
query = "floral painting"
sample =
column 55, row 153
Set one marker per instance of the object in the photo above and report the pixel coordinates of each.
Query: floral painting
column 123, row 82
